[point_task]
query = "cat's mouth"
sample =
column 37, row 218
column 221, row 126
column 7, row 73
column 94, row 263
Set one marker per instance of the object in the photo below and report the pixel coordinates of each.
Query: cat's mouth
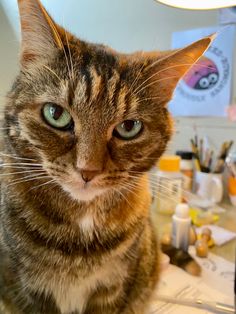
column 82, row 191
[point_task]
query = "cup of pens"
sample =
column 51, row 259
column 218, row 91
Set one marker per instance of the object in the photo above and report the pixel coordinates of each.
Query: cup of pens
column 209, row 169
column 209, row 186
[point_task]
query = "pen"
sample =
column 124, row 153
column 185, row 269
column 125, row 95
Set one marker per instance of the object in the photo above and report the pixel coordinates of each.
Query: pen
column 198, row 303
column 201, row 150
column 196, row 140
column 235, row 285
column 229, row 147
column 210, row 160
column 196, row 155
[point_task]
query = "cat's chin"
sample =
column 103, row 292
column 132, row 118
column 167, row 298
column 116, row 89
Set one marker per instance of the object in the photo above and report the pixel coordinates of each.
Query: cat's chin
column 83, row 194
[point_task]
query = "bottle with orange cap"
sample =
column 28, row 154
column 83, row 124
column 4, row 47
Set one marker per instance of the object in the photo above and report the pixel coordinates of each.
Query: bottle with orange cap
column 168, row 185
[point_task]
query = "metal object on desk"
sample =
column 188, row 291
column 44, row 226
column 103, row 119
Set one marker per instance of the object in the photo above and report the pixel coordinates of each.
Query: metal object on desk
column 235, row 284
column 199, row 303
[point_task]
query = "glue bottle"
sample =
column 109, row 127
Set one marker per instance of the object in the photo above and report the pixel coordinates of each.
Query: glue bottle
column 168, row 183
column 181, row 223
column 186, row 168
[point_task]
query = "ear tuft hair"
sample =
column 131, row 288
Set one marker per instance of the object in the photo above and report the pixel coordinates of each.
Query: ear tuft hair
column 40, row 34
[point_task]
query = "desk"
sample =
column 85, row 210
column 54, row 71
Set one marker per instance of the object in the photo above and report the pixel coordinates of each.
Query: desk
column 227, row 220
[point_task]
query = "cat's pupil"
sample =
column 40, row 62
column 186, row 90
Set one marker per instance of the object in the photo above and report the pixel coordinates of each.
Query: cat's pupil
column 56, row 111
column 128, row 125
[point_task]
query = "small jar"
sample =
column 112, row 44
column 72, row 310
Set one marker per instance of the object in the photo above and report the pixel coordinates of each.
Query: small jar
column 186, row 168
column 167, row 185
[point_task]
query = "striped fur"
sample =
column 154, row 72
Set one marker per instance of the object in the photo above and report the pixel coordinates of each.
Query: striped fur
column 66, row 248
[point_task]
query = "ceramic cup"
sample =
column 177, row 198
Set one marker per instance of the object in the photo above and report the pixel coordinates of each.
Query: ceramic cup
column 209, row 186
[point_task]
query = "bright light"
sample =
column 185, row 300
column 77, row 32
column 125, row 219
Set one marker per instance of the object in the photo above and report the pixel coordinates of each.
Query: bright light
column 199, row 4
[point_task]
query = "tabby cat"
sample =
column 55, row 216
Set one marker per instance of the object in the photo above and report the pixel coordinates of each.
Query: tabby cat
column 83, row 125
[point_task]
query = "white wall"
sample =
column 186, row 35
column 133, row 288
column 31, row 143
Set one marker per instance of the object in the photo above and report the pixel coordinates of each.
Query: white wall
column 126, row 25
column 8, row 55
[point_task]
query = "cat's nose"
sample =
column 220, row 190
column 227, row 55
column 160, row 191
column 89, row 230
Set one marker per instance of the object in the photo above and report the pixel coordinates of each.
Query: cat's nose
column 88, row 175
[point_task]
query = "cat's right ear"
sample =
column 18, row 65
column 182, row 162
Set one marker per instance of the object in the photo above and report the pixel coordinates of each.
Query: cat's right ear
column 168, row 68
column 39, row 33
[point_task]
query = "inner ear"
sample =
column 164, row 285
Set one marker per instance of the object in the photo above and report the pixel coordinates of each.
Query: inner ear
column 165, row 71
column 39, row 33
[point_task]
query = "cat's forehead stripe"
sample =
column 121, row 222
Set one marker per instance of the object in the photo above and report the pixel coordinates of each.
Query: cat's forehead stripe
column 80, row 92
column 96, row 83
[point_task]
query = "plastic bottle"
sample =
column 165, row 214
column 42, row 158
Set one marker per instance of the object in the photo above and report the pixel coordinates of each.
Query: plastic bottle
column 186, row 168
column 167, row 182
column 181, row 223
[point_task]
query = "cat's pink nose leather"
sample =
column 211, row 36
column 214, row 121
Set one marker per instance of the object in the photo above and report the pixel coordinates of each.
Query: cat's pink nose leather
column 88, row 175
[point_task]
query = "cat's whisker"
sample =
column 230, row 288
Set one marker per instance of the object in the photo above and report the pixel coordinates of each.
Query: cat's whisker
column 19, row 167
column 161, row 190
column 43, row 184
column 132, row 191
column 21, row 164
column 123, row 196
column 165, row 69
column 70, row 56
column 129, row 190
column 154, row 82
column 149, row 180
column 164, row 194
column 148, row 98
column 67, row 63
column 137, row 77
column 145, row 81
column 32, row 175
column 134, row 185
column 134, row 188
column 159, row 185
column 30, row 179
column 16, row 157
column 61, row 46
column 21, row 172
column 53, row 72
column 153, row 185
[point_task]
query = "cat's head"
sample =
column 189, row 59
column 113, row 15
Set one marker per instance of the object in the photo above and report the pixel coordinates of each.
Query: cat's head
column 96, row 119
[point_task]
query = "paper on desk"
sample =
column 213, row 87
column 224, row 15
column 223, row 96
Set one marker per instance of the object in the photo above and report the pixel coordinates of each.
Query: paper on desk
column 216, row 272
column 216, row 285
column 220, row 235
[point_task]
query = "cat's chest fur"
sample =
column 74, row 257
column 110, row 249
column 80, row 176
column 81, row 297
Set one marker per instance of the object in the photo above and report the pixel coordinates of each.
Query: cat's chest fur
column 72, row 291
column 74, row 295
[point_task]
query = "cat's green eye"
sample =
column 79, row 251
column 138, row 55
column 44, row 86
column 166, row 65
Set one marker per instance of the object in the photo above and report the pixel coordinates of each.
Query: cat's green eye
column 128, row 129
column 56, row 116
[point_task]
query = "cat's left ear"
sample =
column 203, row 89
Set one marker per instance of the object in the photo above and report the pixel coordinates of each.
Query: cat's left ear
column 39, row 33
column 166, row 69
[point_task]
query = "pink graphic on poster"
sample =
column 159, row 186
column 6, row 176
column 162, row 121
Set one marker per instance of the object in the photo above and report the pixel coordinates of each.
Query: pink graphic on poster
column 206, row 89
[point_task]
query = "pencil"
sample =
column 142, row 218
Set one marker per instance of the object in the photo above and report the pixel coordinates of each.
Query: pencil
column 196, row 155
column 211, row 159
column 201, row 150
column 235, row 285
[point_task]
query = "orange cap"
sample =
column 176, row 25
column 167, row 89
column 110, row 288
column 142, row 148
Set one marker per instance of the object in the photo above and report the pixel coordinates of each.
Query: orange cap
column 169, row 163
column 232, row 185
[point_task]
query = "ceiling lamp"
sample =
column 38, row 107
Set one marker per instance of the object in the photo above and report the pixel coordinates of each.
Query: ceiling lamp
column 199, row 4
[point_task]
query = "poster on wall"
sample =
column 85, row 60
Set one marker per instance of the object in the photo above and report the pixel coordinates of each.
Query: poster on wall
column 227, row 15
column 207, row 87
